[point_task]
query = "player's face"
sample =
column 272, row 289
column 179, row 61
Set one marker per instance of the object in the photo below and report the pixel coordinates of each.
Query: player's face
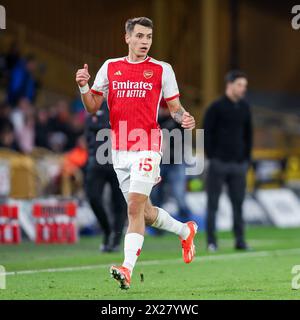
column 239, row 88
column 139, row 41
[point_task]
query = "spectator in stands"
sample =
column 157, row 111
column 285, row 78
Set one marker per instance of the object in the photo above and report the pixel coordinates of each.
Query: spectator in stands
column 228, row 143
column 57, row 142
column 77, row 105
column 75, row 129
column 26, row 137
column 97, row 176
column 22, row 81
column 60, row 116
column 18, row 114
column 7, row 135
column 70, row 178
column 8, row 61
column 76, row 158
column 12, row 57
column 22, row 118
column 5, row 111
column 64, row 126
column 42, row 129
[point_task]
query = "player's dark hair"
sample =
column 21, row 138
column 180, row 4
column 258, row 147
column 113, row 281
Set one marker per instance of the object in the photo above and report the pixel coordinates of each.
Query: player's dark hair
column 143, row 21
column 232, row 75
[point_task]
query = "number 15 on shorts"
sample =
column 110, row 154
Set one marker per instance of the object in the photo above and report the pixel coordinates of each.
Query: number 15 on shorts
column 148, row 168
column 145, row 164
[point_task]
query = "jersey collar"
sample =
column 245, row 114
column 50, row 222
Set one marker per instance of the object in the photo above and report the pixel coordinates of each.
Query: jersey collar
column 137, row 62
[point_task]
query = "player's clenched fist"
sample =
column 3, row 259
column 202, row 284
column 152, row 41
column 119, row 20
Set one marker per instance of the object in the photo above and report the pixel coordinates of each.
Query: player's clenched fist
column 188, row 121
column 83, row 76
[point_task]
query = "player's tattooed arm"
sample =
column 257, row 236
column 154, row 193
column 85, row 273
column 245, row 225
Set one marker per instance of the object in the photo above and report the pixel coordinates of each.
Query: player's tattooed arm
column 180, row 115
column 177, row 115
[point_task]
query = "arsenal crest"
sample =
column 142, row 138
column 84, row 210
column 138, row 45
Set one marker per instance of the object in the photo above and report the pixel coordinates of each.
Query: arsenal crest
column 148, row 74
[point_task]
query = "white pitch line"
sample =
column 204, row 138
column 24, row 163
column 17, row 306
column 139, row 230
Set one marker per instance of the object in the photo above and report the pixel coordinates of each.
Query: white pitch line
column 243, row 255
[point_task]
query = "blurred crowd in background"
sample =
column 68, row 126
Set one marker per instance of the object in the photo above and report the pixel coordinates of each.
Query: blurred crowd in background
column 28, row 128
column 24, row 125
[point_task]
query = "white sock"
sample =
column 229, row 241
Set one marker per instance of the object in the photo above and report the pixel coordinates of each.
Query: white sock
column 132, row 248
column 164, row 221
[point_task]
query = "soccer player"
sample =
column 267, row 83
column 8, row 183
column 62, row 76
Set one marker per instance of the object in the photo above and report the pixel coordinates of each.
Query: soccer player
column 133, row 86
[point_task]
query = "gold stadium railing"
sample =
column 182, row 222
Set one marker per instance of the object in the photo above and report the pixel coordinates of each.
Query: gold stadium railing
column 39, row 174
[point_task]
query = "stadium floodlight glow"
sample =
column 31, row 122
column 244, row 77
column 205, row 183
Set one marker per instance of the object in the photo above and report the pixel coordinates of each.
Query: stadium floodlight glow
column 2, row 278
column 2, row 17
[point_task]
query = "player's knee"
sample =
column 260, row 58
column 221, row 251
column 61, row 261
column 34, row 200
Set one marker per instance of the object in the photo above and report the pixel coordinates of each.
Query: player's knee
column 135, row 208
column 147, row 216
column 150, row 215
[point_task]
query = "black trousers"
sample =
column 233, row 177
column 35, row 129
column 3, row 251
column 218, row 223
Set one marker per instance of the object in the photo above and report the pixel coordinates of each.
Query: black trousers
column 97, row 176
column 233, row 174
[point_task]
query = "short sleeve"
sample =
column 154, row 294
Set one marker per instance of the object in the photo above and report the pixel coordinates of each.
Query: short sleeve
column 169, row 83
column 100, row 86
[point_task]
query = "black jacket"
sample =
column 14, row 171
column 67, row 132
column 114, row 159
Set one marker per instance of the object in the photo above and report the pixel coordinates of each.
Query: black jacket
column 94, row 123
column 228, row 130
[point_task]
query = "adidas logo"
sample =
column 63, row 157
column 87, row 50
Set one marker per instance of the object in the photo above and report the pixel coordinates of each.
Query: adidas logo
column 118, row 73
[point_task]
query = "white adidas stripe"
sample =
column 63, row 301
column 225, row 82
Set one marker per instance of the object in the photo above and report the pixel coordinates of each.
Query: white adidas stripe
column 229, row 256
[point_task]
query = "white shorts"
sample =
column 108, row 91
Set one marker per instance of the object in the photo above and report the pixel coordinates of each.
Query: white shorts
column 137, row 171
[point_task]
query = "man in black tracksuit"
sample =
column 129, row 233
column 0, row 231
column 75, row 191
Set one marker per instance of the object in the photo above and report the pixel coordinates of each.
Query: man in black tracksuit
column 97, row 175
column 228, row 144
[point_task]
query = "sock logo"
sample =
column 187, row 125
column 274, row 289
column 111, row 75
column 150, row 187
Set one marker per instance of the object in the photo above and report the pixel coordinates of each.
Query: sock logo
column 138, row 252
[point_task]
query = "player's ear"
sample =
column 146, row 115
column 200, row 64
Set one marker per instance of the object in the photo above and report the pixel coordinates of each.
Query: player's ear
column 127, row 36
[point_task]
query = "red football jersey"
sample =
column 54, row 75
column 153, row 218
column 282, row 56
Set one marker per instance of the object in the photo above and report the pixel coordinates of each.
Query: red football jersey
column 133, row 91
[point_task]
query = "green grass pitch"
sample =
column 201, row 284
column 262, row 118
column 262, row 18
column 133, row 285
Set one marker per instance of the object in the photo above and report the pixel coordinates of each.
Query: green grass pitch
column 81, row 272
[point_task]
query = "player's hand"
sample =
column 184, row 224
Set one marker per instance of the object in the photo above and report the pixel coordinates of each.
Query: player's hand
column 83, row 76
column 188, row 121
